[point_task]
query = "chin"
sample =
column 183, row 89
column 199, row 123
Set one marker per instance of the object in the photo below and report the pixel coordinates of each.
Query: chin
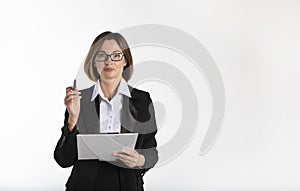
column 109, row 77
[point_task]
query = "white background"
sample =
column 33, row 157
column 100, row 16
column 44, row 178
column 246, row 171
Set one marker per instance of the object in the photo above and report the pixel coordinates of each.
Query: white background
column 254, row 43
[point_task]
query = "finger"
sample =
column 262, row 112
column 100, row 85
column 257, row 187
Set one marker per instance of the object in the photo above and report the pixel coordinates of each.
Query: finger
column 68, row 88
column 73, row 92
column 71, row 88
column 130, row 152
column 123, row 156
column 128, row 163
column 72, row 96
column 126, row 157
column 69, row 98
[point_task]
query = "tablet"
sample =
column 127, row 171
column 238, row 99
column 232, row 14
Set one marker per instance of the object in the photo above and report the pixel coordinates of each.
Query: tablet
column 103, row 146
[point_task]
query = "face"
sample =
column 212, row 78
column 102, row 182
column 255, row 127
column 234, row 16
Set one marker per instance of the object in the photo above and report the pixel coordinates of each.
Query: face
column 111, row 68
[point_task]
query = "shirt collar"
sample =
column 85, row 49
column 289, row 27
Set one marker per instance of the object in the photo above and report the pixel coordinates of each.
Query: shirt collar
column 122, row 89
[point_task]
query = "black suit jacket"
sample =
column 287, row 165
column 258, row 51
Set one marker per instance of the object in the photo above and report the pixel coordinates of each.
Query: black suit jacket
column 88, row 175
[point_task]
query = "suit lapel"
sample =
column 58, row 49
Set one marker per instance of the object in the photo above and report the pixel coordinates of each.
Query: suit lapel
column 90, row 117
column 90, row 111
column 128, row 115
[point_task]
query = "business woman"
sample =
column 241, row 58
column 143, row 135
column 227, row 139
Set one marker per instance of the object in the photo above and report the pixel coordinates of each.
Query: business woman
column 110, row 106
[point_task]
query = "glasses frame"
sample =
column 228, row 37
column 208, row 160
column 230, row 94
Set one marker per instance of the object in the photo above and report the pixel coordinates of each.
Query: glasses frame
column 109, row 56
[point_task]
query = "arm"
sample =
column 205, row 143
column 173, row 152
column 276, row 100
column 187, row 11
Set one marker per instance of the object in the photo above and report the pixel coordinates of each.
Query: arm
column 145, row 154
column 65, row 153
column 149, row 143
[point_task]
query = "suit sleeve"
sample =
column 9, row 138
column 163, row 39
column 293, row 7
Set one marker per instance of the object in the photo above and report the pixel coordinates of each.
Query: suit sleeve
column 65, row 153
column 149, row 145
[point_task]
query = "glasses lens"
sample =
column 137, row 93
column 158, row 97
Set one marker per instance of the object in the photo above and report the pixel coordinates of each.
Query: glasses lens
column 116, row 56
column 101, row 57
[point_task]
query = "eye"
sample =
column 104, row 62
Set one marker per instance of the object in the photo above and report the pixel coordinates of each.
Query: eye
column 101, row 56
column 117, row 55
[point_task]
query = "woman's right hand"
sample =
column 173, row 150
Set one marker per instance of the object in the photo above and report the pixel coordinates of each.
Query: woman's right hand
column 72, row 102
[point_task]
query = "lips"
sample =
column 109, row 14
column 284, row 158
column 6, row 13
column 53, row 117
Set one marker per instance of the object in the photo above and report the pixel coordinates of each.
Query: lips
column 108, row 69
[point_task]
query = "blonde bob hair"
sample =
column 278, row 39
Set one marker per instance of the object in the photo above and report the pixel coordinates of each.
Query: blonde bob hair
column 89, row 64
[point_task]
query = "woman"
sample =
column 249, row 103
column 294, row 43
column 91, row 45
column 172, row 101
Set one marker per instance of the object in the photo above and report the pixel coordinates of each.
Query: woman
column 110, row 106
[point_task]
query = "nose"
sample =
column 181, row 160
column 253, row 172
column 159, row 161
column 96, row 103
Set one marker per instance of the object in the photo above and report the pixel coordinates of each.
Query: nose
column 108, row 60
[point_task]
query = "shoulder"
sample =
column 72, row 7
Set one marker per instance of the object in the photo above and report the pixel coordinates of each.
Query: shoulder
column 139, row 96
column 87, row 90
column 143, row 103
column 87, row 93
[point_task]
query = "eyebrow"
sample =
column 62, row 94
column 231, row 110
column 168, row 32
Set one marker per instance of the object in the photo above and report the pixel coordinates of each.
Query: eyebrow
column 115, row 51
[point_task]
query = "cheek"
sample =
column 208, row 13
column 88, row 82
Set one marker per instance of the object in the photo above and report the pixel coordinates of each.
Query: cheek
column 122, row 64
column 121, row 67
column 99, row 68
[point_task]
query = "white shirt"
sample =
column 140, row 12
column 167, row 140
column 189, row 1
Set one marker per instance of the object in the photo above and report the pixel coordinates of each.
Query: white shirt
column 110, row 111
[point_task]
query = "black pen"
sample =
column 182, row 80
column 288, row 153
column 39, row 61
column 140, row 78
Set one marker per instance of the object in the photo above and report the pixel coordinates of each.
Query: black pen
column 74, row 84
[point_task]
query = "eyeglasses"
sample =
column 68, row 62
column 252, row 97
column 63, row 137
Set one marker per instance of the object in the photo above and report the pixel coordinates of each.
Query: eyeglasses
column 102, row 57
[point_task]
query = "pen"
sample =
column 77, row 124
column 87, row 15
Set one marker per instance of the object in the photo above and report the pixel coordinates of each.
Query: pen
column 74, row 84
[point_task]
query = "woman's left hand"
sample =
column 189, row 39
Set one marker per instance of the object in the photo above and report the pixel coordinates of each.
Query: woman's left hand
column 131, row 158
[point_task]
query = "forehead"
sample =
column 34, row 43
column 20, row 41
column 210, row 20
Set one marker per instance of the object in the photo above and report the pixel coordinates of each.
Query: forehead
column 110, row 46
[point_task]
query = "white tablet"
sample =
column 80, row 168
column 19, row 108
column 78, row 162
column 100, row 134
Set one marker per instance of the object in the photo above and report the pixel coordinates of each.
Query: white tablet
column 103, row 146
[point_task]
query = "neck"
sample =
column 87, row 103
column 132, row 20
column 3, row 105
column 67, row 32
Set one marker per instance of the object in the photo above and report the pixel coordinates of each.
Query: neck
column 109, row 87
